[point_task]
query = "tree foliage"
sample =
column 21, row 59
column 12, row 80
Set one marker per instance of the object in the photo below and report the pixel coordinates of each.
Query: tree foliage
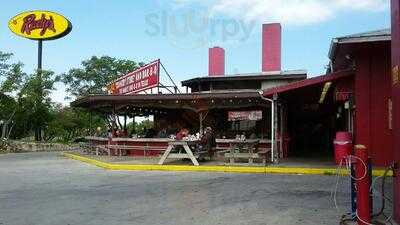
column 35, row 103
column 73, row 123
column 11, row 79
column 140, row 128
column 95, row 74
column 27, row 111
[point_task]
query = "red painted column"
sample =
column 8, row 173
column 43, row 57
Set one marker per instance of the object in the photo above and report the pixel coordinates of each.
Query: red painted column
column 363, row 183
column 271, row 47
column 216, row 61
column 395, row 11
column 362, row 95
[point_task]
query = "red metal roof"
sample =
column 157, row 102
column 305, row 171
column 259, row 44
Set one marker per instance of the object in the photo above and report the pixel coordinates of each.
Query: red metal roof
column 308, row 82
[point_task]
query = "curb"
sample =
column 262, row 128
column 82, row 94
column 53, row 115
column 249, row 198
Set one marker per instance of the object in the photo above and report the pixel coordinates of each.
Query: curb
column 226, row 169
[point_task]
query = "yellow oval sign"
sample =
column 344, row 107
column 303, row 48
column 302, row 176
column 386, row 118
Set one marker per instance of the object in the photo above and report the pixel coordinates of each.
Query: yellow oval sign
column 40, row 25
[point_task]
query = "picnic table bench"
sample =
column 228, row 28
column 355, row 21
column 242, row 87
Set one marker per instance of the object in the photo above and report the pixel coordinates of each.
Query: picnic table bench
column 245, row 149
column 106, row 149
column 188, row 154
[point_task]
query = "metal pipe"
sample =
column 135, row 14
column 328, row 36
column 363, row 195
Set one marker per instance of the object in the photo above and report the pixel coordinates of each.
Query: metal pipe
column 40, row 53
column 272, row 124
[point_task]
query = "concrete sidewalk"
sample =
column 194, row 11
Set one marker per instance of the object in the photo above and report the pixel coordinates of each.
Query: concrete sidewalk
column 114, row 163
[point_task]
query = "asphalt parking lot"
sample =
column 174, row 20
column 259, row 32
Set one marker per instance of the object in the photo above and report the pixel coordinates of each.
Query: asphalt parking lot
column 48, row 189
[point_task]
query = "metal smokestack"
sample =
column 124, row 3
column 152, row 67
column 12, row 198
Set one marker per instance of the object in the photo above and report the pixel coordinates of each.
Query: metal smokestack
column 271, row 47
column 216, row 61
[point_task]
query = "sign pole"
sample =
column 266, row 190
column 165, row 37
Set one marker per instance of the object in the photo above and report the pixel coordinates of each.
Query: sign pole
column 39, row 75
column 40, row 51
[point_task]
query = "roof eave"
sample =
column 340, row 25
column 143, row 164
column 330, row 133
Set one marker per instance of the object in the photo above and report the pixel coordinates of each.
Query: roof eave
column 299, row 75
column 332, row 48
column 308, row 82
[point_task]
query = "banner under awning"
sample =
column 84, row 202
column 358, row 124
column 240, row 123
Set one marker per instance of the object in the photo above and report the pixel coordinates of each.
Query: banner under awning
column 244, row 115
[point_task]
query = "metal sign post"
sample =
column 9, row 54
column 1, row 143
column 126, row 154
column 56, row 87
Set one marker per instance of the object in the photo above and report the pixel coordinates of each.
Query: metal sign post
column 40, row 53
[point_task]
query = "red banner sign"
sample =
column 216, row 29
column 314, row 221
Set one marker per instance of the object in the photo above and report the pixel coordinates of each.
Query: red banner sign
column 342, row 96
column 244, row 115
column 144, row 78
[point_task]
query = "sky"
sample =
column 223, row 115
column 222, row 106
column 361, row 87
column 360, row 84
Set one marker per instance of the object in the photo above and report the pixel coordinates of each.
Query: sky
column 179, row 32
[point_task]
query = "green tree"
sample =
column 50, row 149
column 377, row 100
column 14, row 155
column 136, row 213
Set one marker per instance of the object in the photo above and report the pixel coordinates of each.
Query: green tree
column 11, row 79
column 35, row 103
column 95, row 74
column 140, row 127
column 72, row 123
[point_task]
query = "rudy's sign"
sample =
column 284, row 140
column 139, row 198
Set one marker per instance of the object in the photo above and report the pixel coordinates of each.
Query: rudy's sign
column 40, row 25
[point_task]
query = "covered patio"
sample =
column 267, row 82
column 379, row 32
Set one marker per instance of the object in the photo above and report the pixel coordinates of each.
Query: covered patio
column 194, row 111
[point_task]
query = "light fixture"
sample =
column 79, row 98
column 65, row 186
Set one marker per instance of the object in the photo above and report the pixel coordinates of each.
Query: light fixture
column 324, row 91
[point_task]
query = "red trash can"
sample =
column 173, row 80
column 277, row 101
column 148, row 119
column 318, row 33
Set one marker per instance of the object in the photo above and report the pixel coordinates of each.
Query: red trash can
column 343, row 146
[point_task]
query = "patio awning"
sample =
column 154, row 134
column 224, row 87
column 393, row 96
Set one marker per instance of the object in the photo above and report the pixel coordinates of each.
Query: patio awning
column 190, row 101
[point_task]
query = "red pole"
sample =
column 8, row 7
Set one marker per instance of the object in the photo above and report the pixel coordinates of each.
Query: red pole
column 363, row 183
column 395, row 13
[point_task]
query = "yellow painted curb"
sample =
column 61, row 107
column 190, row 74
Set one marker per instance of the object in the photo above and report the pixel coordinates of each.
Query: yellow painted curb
column 229, row 169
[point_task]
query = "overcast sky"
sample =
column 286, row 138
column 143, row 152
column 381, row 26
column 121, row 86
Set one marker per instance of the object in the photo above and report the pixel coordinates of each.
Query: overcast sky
column 180, row 32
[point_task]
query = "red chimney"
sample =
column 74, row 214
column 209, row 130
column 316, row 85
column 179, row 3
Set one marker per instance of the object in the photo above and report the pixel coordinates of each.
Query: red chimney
column 216, row 61
column 271, row 47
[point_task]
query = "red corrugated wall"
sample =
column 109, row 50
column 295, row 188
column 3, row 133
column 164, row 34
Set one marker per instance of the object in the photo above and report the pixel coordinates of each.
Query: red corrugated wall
column 372, row 95
column 395, row 8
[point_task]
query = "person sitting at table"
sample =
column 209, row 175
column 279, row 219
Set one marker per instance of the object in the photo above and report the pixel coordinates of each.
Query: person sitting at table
column 162, row 133
column 150, row 133
column 253, row 134
column 208, row 142
column 182, row 133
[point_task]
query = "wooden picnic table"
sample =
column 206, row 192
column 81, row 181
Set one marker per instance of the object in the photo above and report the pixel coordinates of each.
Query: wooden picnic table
column 186, row 147
column 247, row 149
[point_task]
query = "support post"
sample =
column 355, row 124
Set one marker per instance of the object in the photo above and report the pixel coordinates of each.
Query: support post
column 201, row 122
column 272, row 132
column 176, row 87
column 281, row 133
column 274, row 117
column 395, row 51
column 90, row 123
column 272, row 123
column 363, row 182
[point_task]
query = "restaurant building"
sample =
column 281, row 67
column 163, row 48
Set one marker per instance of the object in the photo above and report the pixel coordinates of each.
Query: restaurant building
column 354, row 95
column 231, row 104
